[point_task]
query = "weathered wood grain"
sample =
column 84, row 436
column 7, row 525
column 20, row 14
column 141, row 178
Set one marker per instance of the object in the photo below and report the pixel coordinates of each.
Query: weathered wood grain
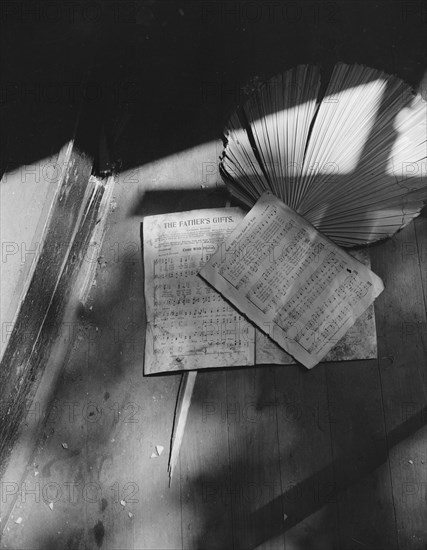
column 364, row 498
column 304, row 428
column 205, row 474
column 401, row 326
column 255, row 480
column 39, row 314
column 421, row 251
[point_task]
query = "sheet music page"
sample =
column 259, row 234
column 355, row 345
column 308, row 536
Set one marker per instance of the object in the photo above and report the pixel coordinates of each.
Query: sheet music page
column 291, row 281
column 189, row 324
column 360, row 342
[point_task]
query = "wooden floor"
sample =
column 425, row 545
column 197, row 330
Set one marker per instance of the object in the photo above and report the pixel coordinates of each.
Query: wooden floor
column 273, row 457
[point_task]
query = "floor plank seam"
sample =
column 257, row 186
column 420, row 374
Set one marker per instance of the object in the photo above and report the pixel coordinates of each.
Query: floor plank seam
column 388, row 451
column 278, row 444
column 337, row 511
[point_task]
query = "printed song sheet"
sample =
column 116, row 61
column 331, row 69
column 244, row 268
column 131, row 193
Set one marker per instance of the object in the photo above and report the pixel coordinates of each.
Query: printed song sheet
column 189, row 324
column 360, row 342
column 297, row 286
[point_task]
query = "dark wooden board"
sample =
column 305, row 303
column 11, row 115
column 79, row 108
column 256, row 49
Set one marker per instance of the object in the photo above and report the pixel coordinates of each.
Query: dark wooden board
column 421, row 250
column 40, row 312
column 364, row 497
column 304, row 417
column 205, row 469
column 401, row 327
column 254, row 458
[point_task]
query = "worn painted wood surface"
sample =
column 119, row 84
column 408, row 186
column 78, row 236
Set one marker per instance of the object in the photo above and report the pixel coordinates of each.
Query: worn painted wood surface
column 63, row 246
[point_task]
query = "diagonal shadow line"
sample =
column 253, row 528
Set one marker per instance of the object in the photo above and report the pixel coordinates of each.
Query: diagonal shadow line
column 384, row 154
column 352, row 468
column 385, row 151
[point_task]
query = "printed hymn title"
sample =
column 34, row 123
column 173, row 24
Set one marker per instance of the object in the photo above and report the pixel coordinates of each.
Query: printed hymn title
column 198, row 221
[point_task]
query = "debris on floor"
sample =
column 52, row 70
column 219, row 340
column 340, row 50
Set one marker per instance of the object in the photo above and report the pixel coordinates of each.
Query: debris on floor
column 158, row 452
column 159, row 449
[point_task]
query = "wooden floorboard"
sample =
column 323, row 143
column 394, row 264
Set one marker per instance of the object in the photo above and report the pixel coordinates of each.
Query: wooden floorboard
column 366, row 516
column 304, row 417
column 205, row 473
column 401, row 326
column 254, row 458
column 421, row 251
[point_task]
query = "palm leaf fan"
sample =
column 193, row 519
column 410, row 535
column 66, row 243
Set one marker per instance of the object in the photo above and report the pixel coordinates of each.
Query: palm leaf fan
column 352, row 161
